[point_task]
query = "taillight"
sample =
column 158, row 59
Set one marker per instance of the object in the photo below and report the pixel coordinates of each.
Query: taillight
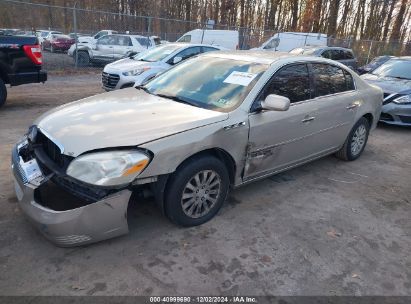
column 34, row 53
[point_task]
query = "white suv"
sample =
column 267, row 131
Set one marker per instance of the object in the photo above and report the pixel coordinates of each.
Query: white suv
column 139, row 69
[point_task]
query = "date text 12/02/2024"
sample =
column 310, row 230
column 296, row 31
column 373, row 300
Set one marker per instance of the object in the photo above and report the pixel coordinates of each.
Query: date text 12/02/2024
column 203, row 299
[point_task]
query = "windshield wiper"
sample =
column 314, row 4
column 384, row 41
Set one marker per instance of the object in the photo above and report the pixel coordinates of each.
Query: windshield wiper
column 141, row 87
column 399, row 77
column 176, row 98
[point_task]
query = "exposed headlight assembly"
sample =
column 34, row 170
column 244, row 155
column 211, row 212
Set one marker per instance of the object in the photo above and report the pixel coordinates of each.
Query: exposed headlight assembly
column 111, row 168
column 406, row 99
column 136, row 72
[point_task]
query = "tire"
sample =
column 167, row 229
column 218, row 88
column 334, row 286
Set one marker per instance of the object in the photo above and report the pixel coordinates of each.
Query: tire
column 3, row 92
column 83, row 59
column 206, row 198
column 356, row 141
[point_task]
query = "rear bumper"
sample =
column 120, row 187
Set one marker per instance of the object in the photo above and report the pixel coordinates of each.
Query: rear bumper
column 28, row 77
column 91, row 223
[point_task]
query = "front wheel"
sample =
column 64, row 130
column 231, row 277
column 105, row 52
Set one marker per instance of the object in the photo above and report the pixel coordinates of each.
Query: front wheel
column 196, row 191
column 3, row 92
column 356, row 141
column 83, row 59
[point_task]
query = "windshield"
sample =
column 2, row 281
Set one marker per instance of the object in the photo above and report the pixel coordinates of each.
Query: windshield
column 157, row 54
column 396, row 68
column 208, row 82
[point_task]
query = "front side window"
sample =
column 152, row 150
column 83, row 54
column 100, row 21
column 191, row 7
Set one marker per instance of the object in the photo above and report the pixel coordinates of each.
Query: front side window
column 123, row 41
column 328, row 79
column 292, row 82
column 106, row 40
column 157, row 54
column 185, row 38
column 274, row 43
column 190, row 52
column 218, row 84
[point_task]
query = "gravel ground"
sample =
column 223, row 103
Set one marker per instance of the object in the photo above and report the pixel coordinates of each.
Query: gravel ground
column 326, row 228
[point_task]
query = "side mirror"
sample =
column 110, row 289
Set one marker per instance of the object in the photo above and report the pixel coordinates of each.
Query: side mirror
column 177, row 59
column 275, row 103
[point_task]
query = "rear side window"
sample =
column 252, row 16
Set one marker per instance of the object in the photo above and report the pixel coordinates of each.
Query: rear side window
column 329, row 79
column 348, row 55
column 291, row 81
column 349, row 81
column 337, row 55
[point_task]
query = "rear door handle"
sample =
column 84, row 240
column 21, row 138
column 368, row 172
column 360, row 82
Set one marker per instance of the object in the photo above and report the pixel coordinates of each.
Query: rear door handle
column 308, row 119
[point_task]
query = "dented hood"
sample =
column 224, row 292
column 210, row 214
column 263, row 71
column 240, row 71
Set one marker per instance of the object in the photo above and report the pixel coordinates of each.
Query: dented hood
column 127, row 117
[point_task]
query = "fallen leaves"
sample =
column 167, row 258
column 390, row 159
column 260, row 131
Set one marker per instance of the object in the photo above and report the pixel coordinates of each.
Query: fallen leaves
column 333, row 233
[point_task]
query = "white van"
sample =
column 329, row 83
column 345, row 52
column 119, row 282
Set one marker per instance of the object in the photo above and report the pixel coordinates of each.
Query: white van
column 285, row 42
column 223, row 38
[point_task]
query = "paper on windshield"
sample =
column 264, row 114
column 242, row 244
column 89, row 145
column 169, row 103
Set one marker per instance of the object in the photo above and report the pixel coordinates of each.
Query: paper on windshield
column 240, row 78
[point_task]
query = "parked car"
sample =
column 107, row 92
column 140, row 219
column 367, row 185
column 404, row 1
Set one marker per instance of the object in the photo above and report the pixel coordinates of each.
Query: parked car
column 375, row 63
column 9, row 32
column 189, row 135
column 43, row 34
column 224, row 38
column 95, row 37
column 110, row 48
column 343, row 55
column 57, row 42
column 140, row 68
column 394, row 78
column 285, row 42
column 20, row 63
column 73, row 35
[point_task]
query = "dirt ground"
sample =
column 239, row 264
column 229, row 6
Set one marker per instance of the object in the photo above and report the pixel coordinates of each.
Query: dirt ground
column 326, row 228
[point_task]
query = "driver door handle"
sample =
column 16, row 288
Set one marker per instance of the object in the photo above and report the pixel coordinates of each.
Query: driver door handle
column 354, row 105
column 308, row 119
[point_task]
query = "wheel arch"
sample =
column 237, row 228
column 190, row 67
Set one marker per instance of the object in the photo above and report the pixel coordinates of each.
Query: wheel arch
column 370, row 118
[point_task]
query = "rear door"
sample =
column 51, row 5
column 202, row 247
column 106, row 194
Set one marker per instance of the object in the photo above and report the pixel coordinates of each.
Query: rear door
column 336, row 100
column 122, row 46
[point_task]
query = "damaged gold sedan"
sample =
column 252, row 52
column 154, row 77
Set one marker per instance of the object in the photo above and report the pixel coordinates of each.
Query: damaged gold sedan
column 211, row 123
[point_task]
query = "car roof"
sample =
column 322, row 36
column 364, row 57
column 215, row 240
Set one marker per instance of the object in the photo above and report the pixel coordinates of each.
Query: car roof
column 183, row 44
column 269, row 58
column 318, row 47
column 402, row 57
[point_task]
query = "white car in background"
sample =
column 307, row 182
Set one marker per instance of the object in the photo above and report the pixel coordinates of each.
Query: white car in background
column 223, row 38
column 110, row 48
column 139, row 69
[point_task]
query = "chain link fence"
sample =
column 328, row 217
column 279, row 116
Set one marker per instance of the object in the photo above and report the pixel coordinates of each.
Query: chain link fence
column 76, row 21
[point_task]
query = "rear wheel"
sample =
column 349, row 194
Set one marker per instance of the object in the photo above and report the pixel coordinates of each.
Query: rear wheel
column 83, row 59
column 197, row 191
column 3, row 92
column 356, row 141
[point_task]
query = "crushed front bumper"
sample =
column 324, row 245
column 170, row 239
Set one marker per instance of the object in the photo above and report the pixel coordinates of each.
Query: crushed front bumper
column 396, row 114
column 104, row 219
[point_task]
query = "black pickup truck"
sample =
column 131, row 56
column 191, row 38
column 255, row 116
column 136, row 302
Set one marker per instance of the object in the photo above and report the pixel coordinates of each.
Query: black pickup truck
column 20, row 62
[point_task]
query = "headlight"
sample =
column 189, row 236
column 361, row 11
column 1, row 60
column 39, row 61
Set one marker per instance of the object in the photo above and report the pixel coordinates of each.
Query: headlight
column 112, row 168
column 403, row 99
column 136, row 72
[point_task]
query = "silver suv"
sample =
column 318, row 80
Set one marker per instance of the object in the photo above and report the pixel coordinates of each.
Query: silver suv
column 110, row 48
column 343, row 55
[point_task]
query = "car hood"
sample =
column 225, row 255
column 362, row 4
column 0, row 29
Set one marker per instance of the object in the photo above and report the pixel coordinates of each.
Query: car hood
column 128, row 64
column 127, row 117
column 388, row 84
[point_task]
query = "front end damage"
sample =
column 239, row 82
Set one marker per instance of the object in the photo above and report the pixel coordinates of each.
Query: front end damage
column 65, row 211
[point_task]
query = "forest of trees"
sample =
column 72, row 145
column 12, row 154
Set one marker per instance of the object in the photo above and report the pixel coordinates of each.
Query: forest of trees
column 380, row 20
